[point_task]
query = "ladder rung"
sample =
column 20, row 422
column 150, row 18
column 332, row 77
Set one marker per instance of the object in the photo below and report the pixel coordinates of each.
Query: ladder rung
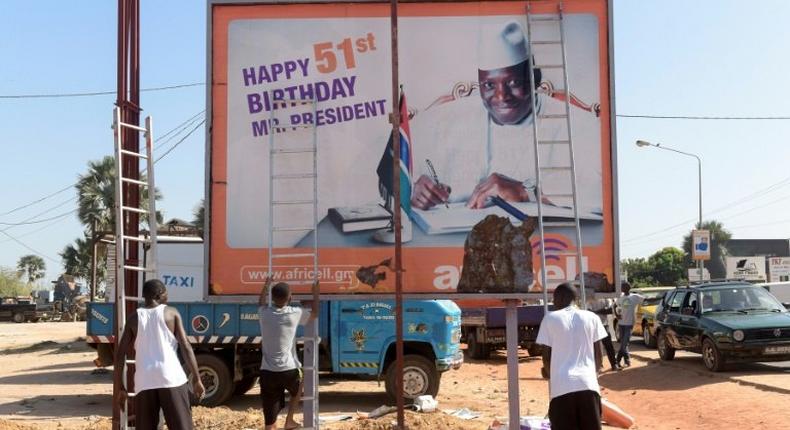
column 557, row 195
column 130, row 362
column 307, row 399
column 134, row 181
column 293, row 228
column 308, row 368
column 545, row 19
column 548, row 66
column 296, row 255
column 553, row 142
column 134, row 127
column 556, row 168
column 294, row 176
column 134, row 154
column 133, row 298
column 131, row 209
column 563, row 253
column 136, row 239
column 308, row 339
column 546, row 42
column 138, row 268
column 559, row 224
column 292, row 150
column 552, row 116
column 292, row 202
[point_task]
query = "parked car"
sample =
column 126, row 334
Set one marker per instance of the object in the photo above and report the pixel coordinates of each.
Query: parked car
column 780, row 290
column 644, row 319
column 725, row 322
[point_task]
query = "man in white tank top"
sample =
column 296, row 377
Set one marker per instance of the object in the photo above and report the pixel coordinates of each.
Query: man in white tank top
column 159, row 380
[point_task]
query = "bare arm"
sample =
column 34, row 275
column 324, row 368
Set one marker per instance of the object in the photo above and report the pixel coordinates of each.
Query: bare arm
column 546, row 355
column 263, row 298
column 187, row 354
column 127, row 337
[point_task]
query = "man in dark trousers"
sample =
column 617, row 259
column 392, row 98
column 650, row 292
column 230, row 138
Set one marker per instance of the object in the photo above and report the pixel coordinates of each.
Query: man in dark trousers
column 570, row 336
column 159, row 379
column 280, row 368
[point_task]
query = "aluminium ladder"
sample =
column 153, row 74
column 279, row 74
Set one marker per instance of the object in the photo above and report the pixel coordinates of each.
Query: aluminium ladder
column 279, row 225
column 122, row 238
column 556, row 21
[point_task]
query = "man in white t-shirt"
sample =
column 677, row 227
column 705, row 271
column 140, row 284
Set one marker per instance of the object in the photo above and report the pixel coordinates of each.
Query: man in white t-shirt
column 569, row 336
column 625, row 310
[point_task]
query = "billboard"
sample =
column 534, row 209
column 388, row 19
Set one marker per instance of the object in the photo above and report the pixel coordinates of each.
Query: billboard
column 469, row 136
column 746, row 268
column 701, row 245
column 779, row 269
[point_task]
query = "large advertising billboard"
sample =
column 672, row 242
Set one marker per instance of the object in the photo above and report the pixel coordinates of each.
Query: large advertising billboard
column 469, row 137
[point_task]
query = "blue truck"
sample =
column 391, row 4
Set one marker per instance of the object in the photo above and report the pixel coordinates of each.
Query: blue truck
column 357, row 337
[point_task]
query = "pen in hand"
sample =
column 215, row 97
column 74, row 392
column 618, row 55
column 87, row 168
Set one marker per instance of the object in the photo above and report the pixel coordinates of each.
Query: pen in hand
column 435, row 177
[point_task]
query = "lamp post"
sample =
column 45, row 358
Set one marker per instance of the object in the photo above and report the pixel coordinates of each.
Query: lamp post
column 644, row 143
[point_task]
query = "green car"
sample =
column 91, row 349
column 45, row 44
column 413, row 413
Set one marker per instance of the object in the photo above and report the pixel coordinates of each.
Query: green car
column 725, row 322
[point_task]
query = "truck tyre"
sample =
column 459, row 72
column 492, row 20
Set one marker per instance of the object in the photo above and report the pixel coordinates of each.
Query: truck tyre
column 241, row 387
column 216, row 377
column 420, row 377
column 475, row 349
column 711, row 356
column 650, row 340
column 665, row 351
column 19, row 317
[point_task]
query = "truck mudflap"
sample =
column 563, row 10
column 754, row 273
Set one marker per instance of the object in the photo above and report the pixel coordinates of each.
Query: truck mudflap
column 454, row 362
column 208, row 340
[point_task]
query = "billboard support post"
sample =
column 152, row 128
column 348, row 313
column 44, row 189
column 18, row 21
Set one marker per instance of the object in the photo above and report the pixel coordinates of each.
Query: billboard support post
column 396, row 215
column 511, row 333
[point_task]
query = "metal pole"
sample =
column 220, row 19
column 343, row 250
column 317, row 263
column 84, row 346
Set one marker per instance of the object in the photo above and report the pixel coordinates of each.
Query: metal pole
column 95, row 243
column 700, row 263
column 511, row 333
column 395, row 119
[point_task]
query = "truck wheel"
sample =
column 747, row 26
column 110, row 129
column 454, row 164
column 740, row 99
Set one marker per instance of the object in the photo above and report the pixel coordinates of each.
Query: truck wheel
column 475, row 349
column 650, row 340
column 246, row 384
column 711, row 356
column 19, row 317
column 534, row 350
column 215, row 376
column 419, row 378
column 665, row 351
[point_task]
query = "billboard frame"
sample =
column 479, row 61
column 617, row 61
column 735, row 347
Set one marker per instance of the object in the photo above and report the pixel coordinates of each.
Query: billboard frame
column 250, row 298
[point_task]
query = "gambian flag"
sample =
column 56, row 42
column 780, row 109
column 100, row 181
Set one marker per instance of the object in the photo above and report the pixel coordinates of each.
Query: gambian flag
column 385, row 165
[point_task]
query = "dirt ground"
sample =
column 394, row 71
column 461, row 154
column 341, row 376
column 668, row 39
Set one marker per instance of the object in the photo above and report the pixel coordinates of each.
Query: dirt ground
column 47, row 381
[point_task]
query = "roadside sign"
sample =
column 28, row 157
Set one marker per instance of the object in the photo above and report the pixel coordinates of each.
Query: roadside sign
column 779, row 269
column 746, row 268
column 700, row 245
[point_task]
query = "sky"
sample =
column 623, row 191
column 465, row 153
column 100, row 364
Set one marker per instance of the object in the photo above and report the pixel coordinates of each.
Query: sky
column 721, row 58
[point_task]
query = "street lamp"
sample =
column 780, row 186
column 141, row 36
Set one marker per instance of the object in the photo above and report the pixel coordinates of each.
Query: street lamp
column 644, row 143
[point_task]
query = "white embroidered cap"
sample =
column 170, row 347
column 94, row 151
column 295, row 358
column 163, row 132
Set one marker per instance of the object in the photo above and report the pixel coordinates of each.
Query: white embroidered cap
column 500, row 46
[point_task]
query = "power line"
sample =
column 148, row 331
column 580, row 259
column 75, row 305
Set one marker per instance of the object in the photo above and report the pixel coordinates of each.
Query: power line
column 62, row 190
column 37, row 221
column 179, row 142
column 715, row 118
column 36, row 230
column 33, row 218
column 94, row 93
column 29, row 248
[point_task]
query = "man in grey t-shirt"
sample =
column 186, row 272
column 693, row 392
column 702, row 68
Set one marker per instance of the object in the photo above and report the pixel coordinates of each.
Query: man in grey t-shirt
column 625, row 310
column 280, row 368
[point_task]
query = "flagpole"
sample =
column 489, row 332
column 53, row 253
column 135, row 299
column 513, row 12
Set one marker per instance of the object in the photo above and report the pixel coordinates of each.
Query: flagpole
column 396, row 215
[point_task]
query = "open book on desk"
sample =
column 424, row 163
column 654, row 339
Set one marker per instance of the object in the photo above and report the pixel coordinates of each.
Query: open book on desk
column 458, row 218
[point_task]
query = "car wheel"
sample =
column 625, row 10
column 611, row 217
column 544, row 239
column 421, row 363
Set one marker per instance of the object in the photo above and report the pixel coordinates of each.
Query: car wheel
column 19, row 318
column 711, row 356
column 650, row 340
column 215, row 376
column 665, row 351
column 420, row 377
column 475, row 349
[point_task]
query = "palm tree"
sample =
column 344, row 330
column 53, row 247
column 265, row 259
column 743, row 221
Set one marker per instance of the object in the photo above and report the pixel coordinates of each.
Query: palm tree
column 718, row 251
column 199, row 216
column 33, row 266
column 77, row 258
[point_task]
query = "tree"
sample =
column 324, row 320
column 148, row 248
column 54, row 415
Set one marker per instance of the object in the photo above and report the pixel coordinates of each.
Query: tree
column 32, row 266
column 669, row 266
column 199, row 216
column 11, row 283
column 77, row 258
column 640, row 272
column 718, row 251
